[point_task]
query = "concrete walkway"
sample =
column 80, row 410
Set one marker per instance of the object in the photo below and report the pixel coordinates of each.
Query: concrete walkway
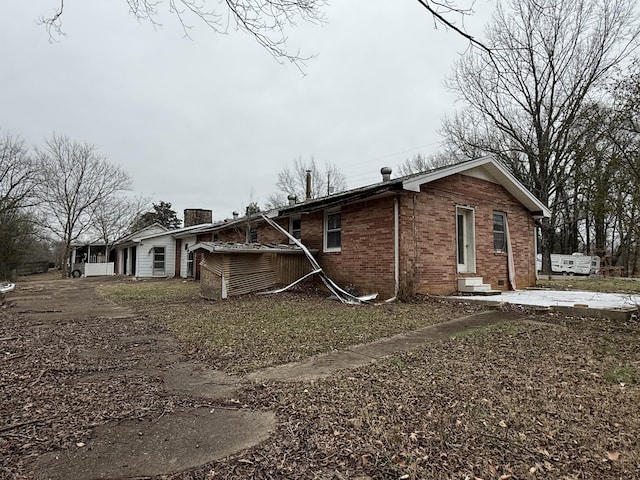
column 327, row 364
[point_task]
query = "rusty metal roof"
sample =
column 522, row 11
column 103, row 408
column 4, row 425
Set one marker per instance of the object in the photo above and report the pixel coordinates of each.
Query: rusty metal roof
column 230, row 247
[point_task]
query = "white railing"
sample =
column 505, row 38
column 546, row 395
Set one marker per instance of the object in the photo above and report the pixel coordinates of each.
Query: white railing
column 98, row 269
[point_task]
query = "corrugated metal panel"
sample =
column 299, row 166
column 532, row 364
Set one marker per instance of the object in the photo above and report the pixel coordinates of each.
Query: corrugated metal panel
column 252, row 272
column 252, row 282
column 291, row 267
column 213, row 263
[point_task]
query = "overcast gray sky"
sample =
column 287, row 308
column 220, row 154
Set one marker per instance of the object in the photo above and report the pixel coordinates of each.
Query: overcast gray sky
column 208, row 122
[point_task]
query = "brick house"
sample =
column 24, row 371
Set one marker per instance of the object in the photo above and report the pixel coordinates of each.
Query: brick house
column 433, row 232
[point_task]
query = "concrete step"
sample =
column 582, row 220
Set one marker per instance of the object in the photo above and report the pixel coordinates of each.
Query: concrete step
column 469, row 281
column 475, row 286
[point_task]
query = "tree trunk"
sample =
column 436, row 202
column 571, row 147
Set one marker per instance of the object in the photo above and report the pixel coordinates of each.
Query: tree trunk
column 548, row 239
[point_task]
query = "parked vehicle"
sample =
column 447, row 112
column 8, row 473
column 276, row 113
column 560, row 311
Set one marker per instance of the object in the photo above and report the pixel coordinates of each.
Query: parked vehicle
column 78, row 270
column 574, row 264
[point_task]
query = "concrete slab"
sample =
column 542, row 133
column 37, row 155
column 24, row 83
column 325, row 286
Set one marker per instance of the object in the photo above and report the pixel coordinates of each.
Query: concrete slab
column 175, row 442
column 142, row 448
column 318, row 366
column 582, row 303
column 199, row 380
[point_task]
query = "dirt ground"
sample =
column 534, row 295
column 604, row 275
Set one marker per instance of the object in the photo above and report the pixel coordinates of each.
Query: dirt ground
column 93, row 390
column 90, row 390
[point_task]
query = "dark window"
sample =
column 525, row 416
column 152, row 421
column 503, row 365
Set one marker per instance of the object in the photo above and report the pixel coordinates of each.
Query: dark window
column 253, row 236
column 190, row 264
column 295, row 228
column 461, row 236
column 499, row 232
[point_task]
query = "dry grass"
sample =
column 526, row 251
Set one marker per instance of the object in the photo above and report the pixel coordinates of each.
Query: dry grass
column 252, row 332
column 514, row 401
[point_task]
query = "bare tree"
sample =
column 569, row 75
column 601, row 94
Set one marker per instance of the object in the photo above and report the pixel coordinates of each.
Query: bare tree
column 548, row 58
column 17, row 181
column 293, row 180
column 17, row 174
column 422, row 163
column 626, row 105
column 266, row 20
column 113, row 217
column 73, row 181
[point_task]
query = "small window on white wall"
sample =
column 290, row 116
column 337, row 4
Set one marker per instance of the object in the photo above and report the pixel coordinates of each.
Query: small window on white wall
column 332, row 231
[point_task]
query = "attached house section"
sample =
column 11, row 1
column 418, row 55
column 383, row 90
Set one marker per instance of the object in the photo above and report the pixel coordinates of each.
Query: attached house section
column 456, row 227
column 423, row 233
column 156, row 252
column 469, row 223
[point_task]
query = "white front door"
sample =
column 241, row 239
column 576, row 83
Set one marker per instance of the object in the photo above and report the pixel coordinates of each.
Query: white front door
column 465, row 240
column 158, row 262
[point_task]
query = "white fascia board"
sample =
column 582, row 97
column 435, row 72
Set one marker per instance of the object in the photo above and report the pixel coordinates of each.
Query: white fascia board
column 273, row 213
column 491, row 167
column 192, row 230
column 413, row 184
column 201, row 245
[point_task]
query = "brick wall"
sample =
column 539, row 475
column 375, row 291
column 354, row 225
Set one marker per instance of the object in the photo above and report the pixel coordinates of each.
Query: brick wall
column 428, row 235
column 366, row 259
column 427, row 228
column 268, row 234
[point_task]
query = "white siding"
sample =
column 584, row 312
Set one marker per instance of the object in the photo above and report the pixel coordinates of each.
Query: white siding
column 144, row 256
column 184, row 255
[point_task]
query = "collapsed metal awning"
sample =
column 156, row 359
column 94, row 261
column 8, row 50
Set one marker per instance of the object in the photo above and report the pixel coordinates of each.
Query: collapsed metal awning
column 342, row 295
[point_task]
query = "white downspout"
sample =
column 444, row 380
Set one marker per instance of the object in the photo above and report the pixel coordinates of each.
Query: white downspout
column 535, row 249
column 396, row 245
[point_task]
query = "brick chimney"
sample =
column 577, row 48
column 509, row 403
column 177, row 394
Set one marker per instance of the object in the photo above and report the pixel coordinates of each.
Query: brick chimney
column 197, row 216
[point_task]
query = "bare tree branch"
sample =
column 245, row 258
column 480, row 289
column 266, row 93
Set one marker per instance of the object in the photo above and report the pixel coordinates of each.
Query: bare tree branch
column 266, row 20
column 450, row 7
column 325, row 180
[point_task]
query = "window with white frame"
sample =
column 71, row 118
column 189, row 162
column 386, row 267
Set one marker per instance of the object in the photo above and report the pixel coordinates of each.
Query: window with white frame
column 499, row 232
column 332, row 231
column 295, row 227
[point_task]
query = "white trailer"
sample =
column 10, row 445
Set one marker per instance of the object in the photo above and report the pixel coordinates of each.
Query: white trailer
column 574, row 264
